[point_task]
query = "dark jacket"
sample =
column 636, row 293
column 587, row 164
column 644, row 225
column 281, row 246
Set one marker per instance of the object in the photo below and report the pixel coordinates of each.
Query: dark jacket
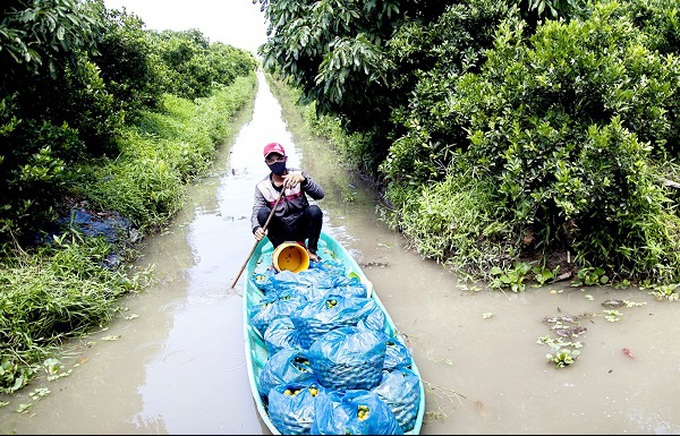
column 293, row 203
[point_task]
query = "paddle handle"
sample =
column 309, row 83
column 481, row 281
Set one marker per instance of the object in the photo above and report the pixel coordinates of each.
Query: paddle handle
column 266, row 223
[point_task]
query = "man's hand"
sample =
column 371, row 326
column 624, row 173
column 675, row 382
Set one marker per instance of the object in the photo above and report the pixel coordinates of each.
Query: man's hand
column 292, row 179
column 260, row 233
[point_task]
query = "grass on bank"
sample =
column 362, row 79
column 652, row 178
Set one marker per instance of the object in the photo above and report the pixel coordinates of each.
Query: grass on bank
column 67, row 288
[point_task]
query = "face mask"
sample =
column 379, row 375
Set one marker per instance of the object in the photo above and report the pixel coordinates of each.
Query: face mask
column 278, row 168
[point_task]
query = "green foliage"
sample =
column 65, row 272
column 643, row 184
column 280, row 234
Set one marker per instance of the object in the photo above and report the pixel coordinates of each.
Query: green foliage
column 512, row 278
column 461, row 212
column 660, row 20
column 86, row 105
column 126, row 59
column 54, row 107
column 633, row 228
column 561, row 126
column 160, row 154
column 440, row 52
column 50, row 296
column 13, row 376
column 563, row 357
column 667, row 292
column 564, row 349
column 543, row 275
column 348, row 58
column 191, row 66
column 591, row 276
column 529, row 128
column 40, row 175
column 229, row 62
column 535, row 11
column 337, row 53
column 38, row 35
column 185, row 64
column 48, row 130
column 354, row 147
column 150, row 190
column 370, row 62
column 64, row 289
column 73, row 73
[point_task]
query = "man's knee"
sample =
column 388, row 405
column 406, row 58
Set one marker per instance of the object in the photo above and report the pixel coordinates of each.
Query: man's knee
column 314, row 212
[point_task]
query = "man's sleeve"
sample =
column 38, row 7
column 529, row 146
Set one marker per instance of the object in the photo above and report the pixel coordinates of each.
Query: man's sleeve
column 258, row 202
column 312, row 188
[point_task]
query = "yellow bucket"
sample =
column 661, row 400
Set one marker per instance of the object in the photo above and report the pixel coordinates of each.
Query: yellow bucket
column 290, row 256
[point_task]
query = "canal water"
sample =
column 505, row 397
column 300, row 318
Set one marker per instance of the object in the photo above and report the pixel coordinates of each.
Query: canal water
column 173, row 362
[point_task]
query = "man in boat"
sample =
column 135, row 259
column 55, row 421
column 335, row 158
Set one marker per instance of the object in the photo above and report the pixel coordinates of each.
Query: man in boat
column 286, row 190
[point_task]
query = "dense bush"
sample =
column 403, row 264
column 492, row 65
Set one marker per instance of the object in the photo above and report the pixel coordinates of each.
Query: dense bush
column 660, row 21
column 160, row 154
column 192, row 65
column 126, row 60
column 54, row 107
column 455, row 44
column 73, row 74
column 336, row 53
column 515, row 130
column 565, row 125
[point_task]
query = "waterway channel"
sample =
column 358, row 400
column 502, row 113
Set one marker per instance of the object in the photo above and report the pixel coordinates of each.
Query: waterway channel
column 173, row 362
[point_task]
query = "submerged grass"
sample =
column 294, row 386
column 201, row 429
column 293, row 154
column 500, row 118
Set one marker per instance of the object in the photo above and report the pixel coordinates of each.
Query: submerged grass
column 70, row 286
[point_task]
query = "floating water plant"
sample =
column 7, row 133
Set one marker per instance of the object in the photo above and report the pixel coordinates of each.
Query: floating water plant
column 563, row 357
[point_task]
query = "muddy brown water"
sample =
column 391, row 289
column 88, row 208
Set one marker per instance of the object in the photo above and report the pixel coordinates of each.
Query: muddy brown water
column 173, row 362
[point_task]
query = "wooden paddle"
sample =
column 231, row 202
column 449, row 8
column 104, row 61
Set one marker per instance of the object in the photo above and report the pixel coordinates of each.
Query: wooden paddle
column 266, row 223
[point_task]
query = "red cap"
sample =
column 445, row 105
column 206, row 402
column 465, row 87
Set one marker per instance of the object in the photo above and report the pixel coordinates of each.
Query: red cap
column 274, row 147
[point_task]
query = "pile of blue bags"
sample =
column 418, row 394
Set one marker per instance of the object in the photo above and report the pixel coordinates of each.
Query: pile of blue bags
column 333, row 367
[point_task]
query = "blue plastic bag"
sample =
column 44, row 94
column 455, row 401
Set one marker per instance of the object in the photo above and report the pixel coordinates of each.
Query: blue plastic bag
column 332, row 267
column 400, row 390
column 292, row 407
column 375, row 317
column 348, row 358
column 271, row 307
column 264, row 281
column 287, row 283
column 286, row 366
column 318, row 279
column 321, row 315
column 350, row 286
column 355, row 412
column 281, row 335
column 397, row 355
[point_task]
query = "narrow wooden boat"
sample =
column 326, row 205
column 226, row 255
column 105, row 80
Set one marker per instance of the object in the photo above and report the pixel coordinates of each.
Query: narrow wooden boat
column 258, row 352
